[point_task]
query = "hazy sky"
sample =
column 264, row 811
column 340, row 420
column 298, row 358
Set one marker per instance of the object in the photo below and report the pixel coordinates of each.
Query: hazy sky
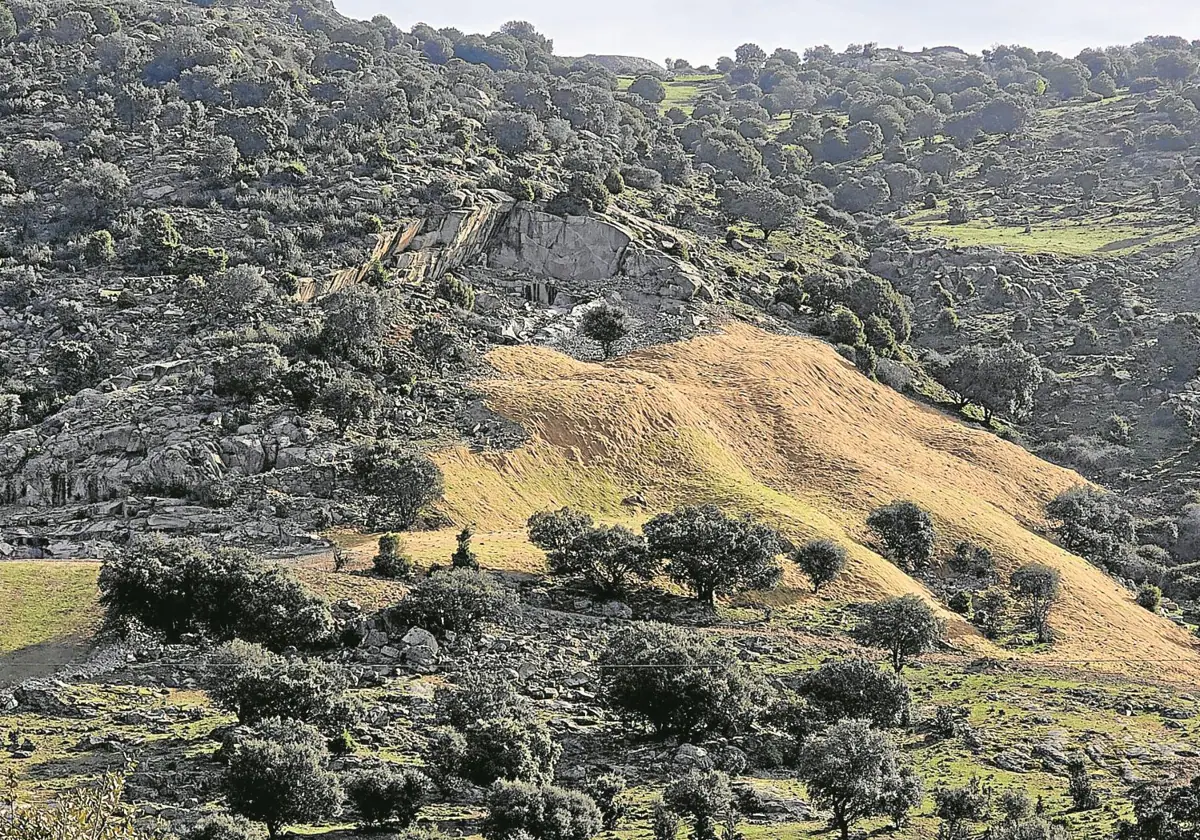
column 701, row 30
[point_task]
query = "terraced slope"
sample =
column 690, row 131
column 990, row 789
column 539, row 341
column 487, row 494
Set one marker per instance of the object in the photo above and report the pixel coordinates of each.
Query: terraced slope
column 785, row 428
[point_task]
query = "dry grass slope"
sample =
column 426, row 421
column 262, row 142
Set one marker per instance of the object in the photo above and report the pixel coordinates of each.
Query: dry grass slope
column 785, row 428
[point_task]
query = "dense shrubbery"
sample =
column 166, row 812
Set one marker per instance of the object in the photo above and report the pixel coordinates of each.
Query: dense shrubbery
column 457, row 601
column 387, row 795
column 177, row 587
column 545, row 812
column 714, row 554
column 907, row 533
column 255, row 684
column 277, row 775
column 678, row 682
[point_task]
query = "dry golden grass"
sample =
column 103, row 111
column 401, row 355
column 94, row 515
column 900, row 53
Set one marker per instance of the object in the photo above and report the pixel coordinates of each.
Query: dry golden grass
column 786, row 429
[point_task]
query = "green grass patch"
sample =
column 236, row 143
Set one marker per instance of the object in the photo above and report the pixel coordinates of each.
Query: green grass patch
column 46, row 601
column 1093, row 236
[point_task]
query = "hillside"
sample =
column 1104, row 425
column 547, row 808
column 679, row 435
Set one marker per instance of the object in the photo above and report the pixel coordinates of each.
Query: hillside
column 297, row 310
column 786, row 429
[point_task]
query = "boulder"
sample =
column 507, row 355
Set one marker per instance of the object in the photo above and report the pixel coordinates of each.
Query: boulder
column 420, row 647
column 689, row 756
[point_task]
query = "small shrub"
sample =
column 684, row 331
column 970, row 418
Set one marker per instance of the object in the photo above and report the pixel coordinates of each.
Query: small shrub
column 277, row 776
column 971, row 559
column 608, row 792
column 1150, row 597
column 845, row 689
column 605, row 325
column 554, row 530
column 906, row 531
column 463, row 557
column 1079, row 785
column 255, row 684
column 705, row 798
column 904, row 626
column 459, row 601
column 391, row 560
column 482, row 695
column 960, row 602
column 518, row 809
column 387, row 796
column 821, row 560
column 457, row 292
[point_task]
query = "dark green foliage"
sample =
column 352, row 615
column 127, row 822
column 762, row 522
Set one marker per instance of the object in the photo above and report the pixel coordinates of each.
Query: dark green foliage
column 397, row 485
column 1000, row 380
column 683, row 684
column 848, row 768
column 907, row 533
column 608, row 792
column 869, row 295
column 1164, row 813
column 100, row 249
column 588, row 189
column 1092, row 523
column 464, row 557
column 902, row 793
column 518, row 809
column 496, row 749
column 158, row 240
column 762, row 206
column 821, row 560
column 1037, row 587
column 456, row 291
column 960, row 602
column 347, row 400
column 221, row 826
column 391, row 560
column 255, row 684
column 649, row 88
column 714, row 554
column 971, row 559
column 553, row 530
column 250, row 372
column 387, row 795
column 855, row 688
column 960, row 806
column 1079, row 785
column 614, row 183
column 905, row 626
column 845, row 327
column 481, row 695
column 664, row 822
column 605, row 325
column 1150, row 596
column 609, row 558
column 277, row 776
column 356, row 319
column 178, row 586
column 516, row 132
column 704, row 798
column 991, row 611
column 455, row 600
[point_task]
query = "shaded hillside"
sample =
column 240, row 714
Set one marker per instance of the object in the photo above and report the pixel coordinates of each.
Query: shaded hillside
column 787, row 429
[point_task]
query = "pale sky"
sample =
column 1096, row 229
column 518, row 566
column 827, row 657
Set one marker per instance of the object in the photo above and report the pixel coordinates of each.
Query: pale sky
column 702, row 30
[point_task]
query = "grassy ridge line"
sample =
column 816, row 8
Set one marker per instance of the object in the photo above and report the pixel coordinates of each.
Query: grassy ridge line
column 785, row 428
